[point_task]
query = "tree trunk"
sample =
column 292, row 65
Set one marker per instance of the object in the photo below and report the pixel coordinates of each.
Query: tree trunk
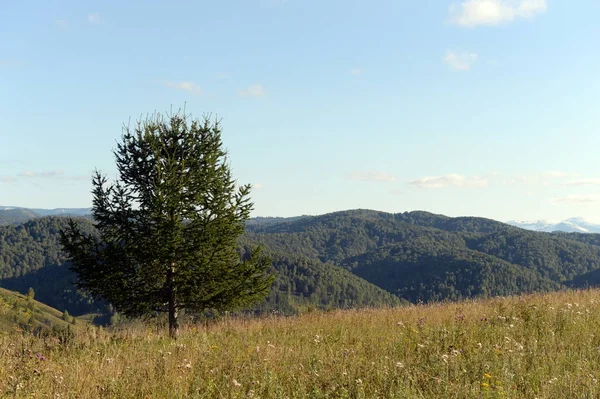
column 173, row 313
column 173, row 308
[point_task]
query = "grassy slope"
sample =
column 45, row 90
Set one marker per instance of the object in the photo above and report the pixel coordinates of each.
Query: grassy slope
column 17, row 312
column 538, row 346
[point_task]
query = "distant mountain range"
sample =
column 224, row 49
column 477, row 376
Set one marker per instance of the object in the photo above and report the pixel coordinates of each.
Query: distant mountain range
column 572, row 225
column 18, row 215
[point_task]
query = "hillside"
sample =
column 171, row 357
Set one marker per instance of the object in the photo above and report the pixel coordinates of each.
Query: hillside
column 23, row 313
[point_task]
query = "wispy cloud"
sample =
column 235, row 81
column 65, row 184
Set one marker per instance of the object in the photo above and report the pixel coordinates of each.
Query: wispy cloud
column 6, row 179
column 253, row 91
column 62, row 24
column 576, row 199
column 460, row 61
column 471, row 13
column 547, row 178
column 450, row 180
column 190, row 87
column 356, row 71
column 257, row 186
column 371, row 175
column 582, row 182
column 9, row 64
column 94, row 18
column 43, row 174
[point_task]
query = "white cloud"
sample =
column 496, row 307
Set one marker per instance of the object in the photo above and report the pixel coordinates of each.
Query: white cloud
column 542, row 178
column 257, row 186
column 43, row 174
column 94, row 18
column 576, row 199
column 190, row 87
column 253, row 91
column 61, row 23
column 582, row 182
column 356, row 71
column 471, row 13
column 460, row 61
column 450, row 180
column 6, row 179
column 371, row 175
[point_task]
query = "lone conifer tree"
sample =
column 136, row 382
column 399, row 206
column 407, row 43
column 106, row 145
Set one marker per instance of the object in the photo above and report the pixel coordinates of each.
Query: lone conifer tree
column 168, row 226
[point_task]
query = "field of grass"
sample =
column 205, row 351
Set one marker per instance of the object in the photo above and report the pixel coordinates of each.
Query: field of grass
column 539, row 346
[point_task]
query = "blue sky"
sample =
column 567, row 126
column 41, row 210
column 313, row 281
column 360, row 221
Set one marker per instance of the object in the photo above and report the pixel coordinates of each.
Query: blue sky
column 479, row 107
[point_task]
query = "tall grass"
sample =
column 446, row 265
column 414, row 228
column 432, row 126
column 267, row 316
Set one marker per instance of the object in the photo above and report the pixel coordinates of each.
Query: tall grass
column 538, row 346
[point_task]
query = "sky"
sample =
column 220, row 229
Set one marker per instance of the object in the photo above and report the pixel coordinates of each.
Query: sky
column 462, row 107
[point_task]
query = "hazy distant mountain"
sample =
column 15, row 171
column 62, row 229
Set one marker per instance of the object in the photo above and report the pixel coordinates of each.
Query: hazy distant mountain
column 572, row 225
column 18, row 215
column 63, row 211
column 13, row 215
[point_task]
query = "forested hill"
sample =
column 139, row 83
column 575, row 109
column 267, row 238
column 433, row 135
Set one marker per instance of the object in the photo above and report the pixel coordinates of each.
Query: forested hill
column 31, row 256
column 348, row 259
column 421, row 256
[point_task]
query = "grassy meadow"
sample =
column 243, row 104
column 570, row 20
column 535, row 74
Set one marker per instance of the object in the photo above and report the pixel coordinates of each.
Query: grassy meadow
column 537, row 346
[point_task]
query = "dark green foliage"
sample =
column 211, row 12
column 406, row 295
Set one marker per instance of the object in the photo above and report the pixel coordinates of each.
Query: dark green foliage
column 168, row 227
column 31, row 257
column 303, row 283
column 423, row 256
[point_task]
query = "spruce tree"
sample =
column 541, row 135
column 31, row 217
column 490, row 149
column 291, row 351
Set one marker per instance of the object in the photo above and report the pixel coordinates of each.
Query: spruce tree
column 168, row 225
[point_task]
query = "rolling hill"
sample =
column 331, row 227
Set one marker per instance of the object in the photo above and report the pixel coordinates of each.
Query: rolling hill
column 348, row 259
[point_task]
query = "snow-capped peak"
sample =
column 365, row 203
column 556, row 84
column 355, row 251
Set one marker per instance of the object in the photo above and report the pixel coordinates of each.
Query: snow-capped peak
column 571, row 225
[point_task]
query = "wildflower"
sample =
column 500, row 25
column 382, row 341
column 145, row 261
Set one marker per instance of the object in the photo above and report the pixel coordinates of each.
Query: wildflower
column 487, row 375
column 445, row 358
column 485, row 385
column 400, row 324
column 400, row 365
column 358, row 381
column 317, row 339
column 235, row 383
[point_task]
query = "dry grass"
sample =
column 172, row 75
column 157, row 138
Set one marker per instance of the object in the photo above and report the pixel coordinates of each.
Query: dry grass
column 539, row 346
